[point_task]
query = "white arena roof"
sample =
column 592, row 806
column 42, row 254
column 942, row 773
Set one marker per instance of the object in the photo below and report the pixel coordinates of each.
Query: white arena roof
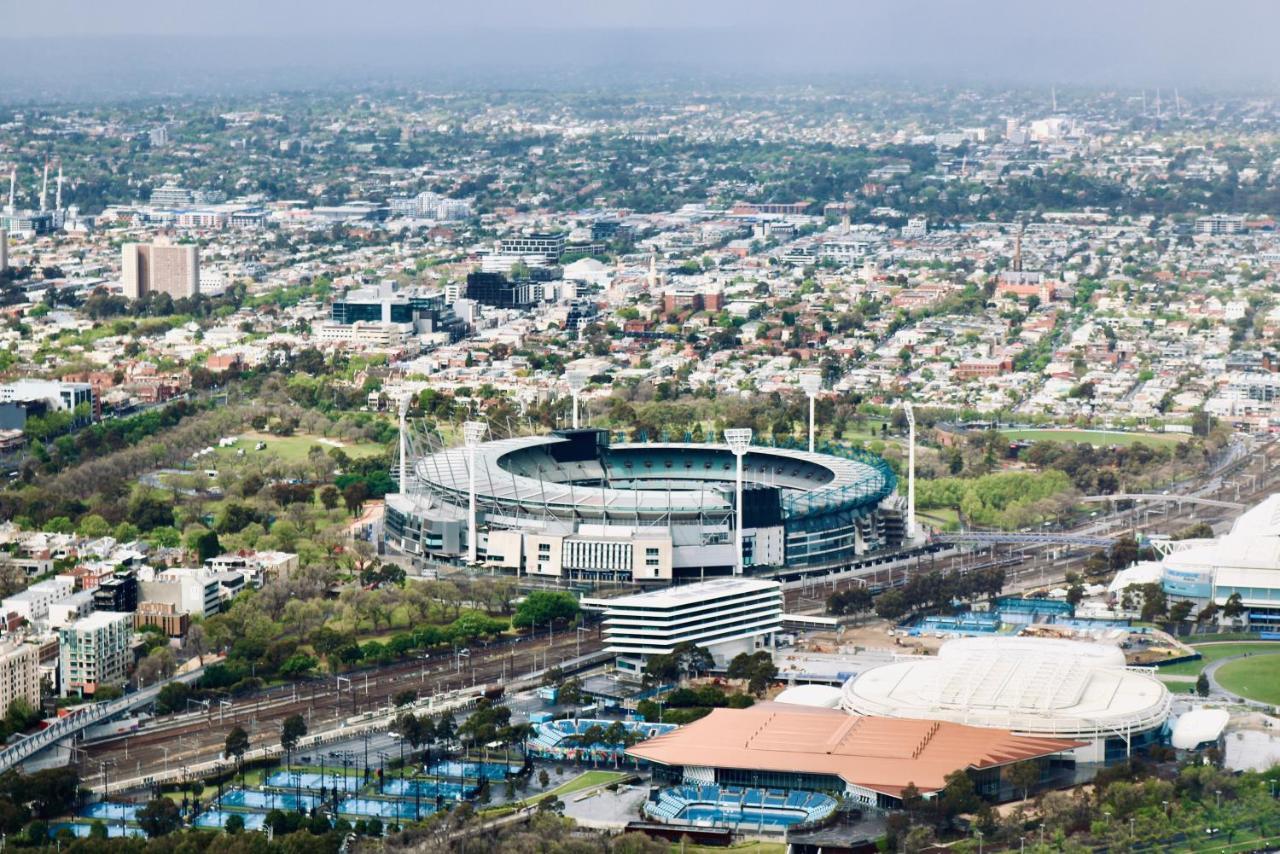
column 1040, row 686
column 815, row 696
column 1198, row 726
column 1252, row 544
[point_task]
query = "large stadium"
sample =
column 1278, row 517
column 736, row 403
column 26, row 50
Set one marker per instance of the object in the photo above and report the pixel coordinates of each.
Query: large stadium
column 573, row 504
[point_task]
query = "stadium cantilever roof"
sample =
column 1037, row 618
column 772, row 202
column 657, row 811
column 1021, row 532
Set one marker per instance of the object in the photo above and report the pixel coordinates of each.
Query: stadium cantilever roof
column 499, row 478
column 1032, row 685
column 879, row 754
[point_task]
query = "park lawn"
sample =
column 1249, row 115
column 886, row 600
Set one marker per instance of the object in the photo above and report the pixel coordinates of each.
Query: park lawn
column 1212, row 652
column 1095, row 437
column 747, row 848
column 585, row 780
column 293, row 449
column 1256, row 677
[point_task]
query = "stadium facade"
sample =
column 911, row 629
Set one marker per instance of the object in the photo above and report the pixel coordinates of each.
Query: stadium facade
column 575, row 506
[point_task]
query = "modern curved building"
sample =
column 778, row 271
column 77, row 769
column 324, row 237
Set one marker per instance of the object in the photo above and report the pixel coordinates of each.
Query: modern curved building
column 1244, row 561
column 1030, row 686
column 573, row 505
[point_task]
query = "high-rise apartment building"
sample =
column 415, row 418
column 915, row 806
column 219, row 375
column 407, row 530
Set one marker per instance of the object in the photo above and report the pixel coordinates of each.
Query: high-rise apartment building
column 159, row 267
column 19, row 675
column 4, row 250
column 93, row 652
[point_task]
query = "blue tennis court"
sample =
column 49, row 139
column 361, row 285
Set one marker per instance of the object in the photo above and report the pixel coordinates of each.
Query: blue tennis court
column 111, row 811
column 395, row 810
column 217, row 819
column 314, row 781
column 746, row 817
column 426, row 789
column 255, row 800
column 462, row 770
column 81, row 831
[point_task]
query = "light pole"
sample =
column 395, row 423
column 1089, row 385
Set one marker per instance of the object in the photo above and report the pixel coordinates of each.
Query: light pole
column 738, row 440
column 911, row 469
column 577, row 381
column 472, row 433
column 810, row 382
column 404, row 445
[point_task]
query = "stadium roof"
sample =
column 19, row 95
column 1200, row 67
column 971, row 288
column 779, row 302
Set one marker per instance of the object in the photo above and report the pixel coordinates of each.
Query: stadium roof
column 1035, row 685
column 447, row 472
column 1253, row 543
column 880, row 754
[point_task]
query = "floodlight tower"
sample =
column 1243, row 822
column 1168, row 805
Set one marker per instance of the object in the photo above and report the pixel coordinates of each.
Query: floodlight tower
column 404, row 443
column 472, row 433
column 738, row 439
column 577, row 381
column 911, row 469
column 810, row 382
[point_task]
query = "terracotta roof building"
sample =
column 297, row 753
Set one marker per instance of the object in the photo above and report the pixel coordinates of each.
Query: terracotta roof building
column 868, row 759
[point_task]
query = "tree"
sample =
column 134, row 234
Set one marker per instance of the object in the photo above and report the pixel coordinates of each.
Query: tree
column 237, row 744
column 1024, row 775
column 1202, row 684
column 205, row 544
column 355, row 494
column 959, row 794
column 1234, row 607
column 291, row 732
column 330, row 497
column 541, row 607
column 159, row 817
column 235, row 824
column 198, row 641
column 1181, row 611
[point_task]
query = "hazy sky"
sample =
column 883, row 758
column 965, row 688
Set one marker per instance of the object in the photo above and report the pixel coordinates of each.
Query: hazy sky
column 1097, row 42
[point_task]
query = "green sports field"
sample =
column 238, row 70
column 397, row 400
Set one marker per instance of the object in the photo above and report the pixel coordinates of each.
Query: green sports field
column 1094, row 437
column 1256, row 677
column 1215, row 651
column 293, row 449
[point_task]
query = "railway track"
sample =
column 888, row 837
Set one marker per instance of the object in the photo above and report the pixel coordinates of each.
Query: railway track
column 188, row 739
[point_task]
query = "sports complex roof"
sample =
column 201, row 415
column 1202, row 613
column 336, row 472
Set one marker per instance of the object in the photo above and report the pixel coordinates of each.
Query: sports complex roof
column 1253, row 543
column 879, row 754
column 1044, row 686
column 667, row 477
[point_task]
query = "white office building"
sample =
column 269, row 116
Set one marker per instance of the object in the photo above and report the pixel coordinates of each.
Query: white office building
column 724, row 616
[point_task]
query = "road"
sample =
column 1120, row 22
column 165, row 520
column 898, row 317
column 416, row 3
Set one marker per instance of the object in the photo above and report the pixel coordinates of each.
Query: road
column 180, row 740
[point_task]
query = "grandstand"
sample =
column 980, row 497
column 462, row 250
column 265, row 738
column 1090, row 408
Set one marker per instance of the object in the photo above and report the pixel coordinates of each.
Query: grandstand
column 733, row 806
column 574, row 505
column 562, row 739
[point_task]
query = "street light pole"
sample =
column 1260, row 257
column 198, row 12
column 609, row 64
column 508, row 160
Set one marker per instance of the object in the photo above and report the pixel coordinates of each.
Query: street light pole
column 577, row 381
column 738, row 439
column 810, row 382
column 472, row 433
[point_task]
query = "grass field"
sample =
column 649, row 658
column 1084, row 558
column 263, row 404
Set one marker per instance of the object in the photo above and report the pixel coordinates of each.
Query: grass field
column 1213, row 652
column 1256, row 677
column 1094, row 437
column 748, row 848
column 293, row 449
column 587, row 780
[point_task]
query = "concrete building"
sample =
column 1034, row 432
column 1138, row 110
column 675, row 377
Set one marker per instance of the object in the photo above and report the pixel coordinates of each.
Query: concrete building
column 33, row 603
column 724, row 616
column 93, row 652
column 156, row 267
column 19, row 675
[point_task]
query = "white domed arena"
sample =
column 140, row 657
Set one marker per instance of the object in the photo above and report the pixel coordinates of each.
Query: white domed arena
column 1031, row 686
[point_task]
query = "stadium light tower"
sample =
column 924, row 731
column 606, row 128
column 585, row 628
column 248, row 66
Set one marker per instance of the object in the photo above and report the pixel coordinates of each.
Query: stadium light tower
column 738, row 439
column 577, row 381
column 472, row 433
column 404, row 443
column 911, row 469
column 810, row 382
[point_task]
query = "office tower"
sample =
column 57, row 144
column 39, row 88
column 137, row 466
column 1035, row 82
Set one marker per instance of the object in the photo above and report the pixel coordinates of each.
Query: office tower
column 4, row 250
column 157, row 267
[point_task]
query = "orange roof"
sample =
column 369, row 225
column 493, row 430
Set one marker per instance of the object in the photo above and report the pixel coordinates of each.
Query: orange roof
column 881, row 754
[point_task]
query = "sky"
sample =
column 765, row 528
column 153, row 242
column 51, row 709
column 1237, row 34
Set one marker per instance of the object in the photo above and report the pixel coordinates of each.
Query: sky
column 185, row 43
